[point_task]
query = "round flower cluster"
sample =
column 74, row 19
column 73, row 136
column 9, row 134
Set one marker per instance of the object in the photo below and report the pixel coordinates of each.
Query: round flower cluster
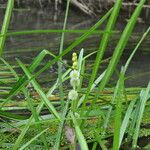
column 73, row 95
column 74, row 79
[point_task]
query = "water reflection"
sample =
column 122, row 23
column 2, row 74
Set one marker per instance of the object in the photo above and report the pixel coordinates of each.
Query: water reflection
column 26, row 47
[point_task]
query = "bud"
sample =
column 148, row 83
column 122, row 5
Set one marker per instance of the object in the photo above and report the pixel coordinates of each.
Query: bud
column 75, row 64
column 74, row 59
column 74, row 54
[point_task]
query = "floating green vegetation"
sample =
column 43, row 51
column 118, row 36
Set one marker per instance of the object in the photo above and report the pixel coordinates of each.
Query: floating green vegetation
column 85, row 115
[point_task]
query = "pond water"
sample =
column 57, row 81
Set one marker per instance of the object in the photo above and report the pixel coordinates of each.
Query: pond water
column 25, row 47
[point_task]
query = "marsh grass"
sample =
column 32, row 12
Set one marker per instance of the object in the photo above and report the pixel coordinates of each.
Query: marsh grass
column 94, row 109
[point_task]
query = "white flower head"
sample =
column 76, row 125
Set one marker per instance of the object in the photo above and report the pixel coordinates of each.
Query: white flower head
column 75, row 82
column 74, row 74
column 73, row 95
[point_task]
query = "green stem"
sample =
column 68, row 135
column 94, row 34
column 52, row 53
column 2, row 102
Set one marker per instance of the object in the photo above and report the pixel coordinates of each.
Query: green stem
column 5, row 25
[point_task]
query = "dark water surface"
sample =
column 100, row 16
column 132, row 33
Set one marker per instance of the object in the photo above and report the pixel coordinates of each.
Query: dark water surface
column 26, row 47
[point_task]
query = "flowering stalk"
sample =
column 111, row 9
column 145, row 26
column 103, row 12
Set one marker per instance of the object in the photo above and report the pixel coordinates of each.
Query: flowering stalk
column 74, row 81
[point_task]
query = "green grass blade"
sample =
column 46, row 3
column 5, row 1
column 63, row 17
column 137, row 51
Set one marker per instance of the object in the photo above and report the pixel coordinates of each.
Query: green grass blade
column 33, row 139
column 126, row 120
column 121, row 45
column 36, row 117
column 94, row 146
column 97, row 81
column 134, row 118
column 12, row 116
column 136, row 48
column 144, row 95
column 103, row 44
column 79, row 134
column 10, row 68
column 60, row 129
column 61, row 92
column 39, row 90
column 5, row 25
column 80, row 60
column 46, row 31
column 118, row 96
column 81, row 67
